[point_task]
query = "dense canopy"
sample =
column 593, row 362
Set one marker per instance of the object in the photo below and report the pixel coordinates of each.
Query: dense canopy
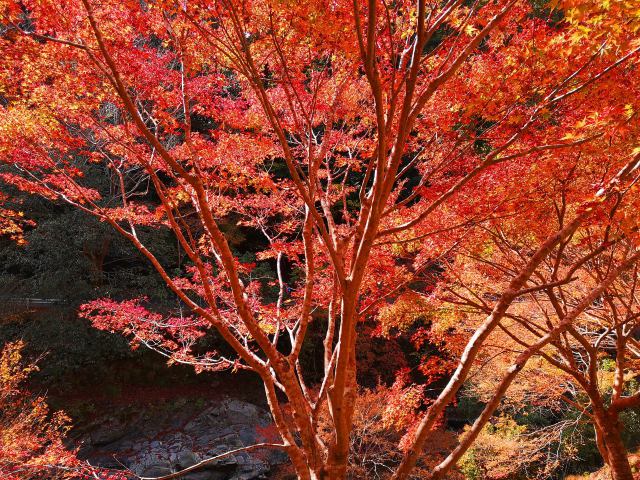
column 461, row 174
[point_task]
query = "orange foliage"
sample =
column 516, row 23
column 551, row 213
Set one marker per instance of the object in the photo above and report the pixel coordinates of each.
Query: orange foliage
column 32, row 443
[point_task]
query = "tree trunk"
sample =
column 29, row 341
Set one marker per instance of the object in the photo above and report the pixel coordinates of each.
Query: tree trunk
column 617, row 459
column 602, row 448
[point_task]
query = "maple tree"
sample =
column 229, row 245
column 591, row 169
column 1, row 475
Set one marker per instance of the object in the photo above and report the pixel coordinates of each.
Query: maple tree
column 12, row 221
column 31, row 436
column 362, row 142
column 580, row 308
column 593, row 361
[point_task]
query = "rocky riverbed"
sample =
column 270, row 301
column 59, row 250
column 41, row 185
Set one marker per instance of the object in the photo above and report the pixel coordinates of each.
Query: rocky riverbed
column 163, row 440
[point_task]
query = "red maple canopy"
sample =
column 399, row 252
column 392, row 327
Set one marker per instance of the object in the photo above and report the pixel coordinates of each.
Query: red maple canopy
column 371, row 146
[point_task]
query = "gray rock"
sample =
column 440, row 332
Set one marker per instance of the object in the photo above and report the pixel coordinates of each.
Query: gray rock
column 226, row 462
column 204, row 475
column 108, row 433
column 179, row 438
column 185, row 459
column 155, row 471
